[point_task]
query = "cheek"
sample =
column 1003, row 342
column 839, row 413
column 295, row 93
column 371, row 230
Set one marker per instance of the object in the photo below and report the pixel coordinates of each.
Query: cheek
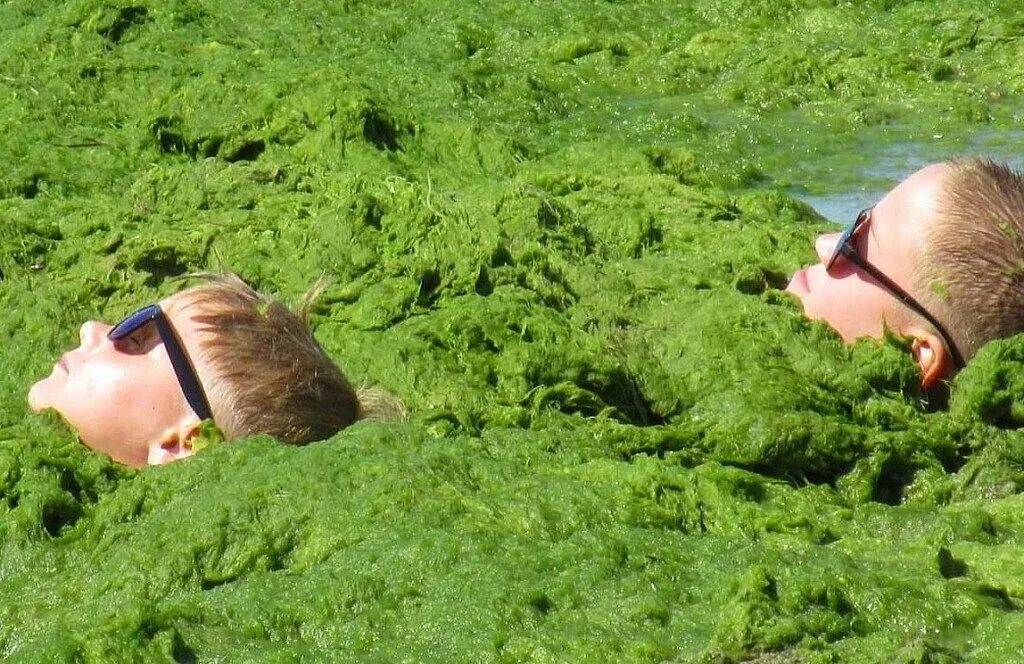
column 851, row 307
column 99, row 384
column 101, row 406
column 92, row 392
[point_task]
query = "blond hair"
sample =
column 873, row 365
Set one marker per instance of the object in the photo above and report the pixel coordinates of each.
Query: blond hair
column 265, row 373
column 972, row 272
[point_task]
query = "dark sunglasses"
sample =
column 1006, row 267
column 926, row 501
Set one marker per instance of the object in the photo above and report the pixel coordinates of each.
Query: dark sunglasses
column 846, row 248
column 183, row 369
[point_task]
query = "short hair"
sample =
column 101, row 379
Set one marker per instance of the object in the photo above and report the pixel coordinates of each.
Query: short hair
column 972, row 268
column 265, row 373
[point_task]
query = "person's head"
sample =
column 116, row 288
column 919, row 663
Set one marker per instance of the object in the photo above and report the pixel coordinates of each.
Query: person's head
column 130, row 390
column 948, row 239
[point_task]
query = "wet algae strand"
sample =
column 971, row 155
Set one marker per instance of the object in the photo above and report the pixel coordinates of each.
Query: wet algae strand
column 558, row 233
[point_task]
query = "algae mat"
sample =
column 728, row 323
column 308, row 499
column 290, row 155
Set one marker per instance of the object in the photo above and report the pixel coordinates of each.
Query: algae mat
column 557, row 230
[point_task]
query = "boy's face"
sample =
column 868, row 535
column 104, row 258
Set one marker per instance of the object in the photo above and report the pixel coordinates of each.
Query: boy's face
column 849, row 299
column 122, row 396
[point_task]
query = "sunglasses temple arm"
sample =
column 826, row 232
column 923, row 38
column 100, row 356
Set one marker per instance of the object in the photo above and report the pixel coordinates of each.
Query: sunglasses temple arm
column 184, row 371
column 908, row 300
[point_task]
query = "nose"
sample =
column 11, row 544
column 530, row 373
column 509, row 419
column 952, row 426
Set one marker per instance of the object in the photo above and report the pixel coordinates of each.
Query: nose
column 92, row 332
column 825, row 245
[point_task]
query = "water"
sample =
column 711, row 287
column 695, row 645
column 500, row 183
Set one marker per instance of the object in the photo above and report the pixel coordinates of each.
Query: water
column 896, row 162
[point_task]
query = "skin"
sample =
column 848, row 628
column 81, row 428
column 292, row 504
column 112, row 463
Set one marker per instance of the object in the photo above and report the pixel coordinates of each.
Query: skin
column 122, row 396
column 854, row 303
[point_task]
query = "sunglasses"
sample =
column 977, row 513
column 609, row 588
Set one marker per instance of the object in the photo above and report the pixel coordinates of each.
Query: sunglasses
column 183, row 369
column 846, row 248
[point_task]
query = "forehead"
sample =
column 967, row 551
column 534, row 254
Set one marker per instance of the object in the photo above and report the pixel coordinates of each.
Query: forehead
column 918, row 192
column 177, row 304
column 180, row 308
column 907, row 211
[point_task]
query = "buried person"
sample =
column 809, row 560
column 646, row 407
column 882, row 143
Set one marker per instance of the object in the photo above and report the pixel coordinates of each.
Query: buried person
column 939, row 260
column 139, row 391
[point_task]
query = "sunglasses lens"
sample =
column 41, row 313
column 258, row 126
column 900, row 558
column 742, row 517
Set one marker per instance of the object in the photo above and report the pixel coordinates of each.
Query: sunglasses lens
column 133, row 322
column 844, row 239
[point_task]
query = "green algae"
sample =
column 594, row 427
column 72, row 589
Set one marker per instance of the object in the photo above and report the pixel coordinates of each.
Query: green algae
column 558, row 233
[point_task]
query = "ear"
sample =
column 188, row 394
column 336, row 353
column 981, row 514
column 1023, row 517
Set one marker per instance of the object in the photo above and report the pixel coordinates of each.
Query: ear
column 932, row 357
column 175, row 444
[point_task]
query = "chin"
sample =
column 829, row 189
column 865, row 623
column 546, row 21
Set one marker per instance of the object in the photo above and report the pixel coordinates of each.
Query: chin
column 37, row 399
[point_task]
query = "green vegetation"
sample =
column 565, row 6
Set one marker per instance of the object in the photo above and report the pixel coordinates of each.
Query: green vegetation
column 557, row 230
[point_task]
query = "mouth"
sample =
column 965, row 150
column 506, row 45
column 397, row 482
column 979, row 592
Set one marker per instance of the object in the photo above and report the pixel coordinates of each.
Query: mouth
column 62, row 362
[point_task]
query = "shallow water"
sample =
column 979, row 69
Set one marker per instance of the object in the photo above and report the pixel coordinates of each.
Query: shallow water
column 896, row 161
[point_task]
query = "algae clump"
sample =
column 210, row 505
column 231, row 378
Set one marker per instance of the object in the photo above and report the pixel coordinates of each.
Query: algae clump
column 562, row 243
